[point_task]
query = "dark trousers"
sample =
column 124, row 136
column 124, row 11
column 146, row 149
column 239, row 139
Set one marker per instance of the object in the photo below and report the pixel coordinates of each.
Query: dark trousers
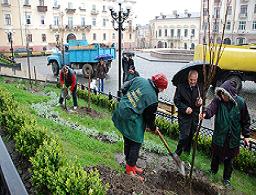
column 185, row 144
column 131, row 151
column 74, row 97
column 228, row 166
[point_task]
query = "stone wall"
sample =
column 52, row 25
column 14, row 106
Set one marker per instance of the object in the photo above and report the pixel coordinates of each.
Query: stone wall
column 186, row 55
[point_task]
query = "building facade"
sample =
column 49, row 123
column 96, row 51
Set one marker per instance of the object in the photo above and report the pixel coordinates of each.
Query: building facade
column 240, row 25
column 178, row 30
column 43, row 23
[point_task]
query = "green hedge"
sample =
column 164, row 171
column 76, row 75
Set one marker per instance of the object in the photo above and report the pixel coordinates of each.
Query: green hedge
column 51, row 172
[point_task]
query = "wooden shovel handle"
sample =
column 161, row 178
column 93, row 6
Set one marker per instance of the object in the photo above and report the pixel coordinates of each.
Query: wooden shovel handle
column 164, row 141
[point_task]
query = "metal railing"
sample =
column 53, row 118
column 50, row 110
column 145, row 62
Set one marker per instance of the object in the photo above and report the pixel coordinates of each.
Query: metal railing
column 10, row 181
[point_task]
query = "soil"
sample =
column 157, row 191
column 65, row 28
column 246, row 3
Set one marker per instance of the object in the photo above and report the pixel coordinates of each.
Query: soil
column 85, row 111
column 161, row 177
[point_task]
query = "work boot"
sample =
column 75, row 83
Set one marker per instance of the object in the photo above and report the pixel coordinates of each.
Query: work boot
column 138, row 170
column 132, row 172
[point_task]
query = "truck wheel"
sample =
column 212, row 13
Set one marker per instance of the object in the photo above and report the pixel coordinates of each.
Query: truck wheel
column 238, row 81
column 87, row 69
column 55, row 68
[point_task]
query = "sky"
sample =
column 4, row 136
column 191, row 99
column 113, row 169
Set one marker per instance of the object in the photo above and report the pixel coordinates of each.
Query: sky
column 146, row 10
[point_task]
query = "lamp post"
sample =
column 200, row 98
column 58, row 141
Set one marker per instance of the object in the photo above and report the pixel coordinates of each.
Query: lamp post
column 119, row 17
column 11, row 41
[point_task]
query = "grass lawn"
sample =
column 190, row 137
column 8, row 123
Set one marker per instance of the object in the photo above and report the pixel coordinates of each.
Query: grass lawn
column 90, row 152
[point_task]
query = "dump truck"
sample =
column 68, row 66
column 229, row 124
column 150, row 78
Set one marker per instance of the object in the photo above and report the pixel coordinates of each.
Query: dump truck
column 237, row 63
column 79, row 54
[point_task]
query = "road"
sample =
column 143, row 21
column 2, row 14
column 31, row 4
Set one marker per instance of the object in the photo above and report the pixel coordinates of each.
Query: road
column 144, row 67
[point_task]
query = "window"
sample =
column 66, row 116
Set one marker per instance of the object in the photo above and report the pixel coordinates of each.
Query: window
column 254, row 25
column 94, row 36
column 172, row 32
column 165, row 32
column 93, row 7
column 205, row 12
column 130, row 36
column 178, row 33
column 70, row 22
column 83, row 36
column 28, row 18
column 82, row 21
column 56, row 20
column 26, row 2
column 243, row 9
column 255, row 8
column 29, row 37
column 229, row 10
column 156, row 34
column 193, row 32
column 6, row 2
column 41, row 2
column 113, row 36
column 185, row 32
column 216, row 12
column 228, row 25
column 104, row 22
column 104, row 36
column 160, row 32
column 94, row 22
column 70, row 5
column 55, row 3
column 44, row 37
column 216, row 27
column 185, row 46
column 42, row 20
column 242, row 25
column 7, row 19
column 104, row 8
column 240, row 40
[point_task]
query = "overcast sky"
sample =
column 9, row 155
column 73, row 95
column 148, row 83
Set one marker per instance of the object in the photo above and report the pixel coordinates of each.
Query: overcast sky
column 148, row 9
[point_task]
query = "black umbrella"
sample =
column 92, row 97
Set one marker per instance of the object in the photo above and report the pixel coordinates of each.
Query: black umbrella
column 182, row 75
column 129, row 53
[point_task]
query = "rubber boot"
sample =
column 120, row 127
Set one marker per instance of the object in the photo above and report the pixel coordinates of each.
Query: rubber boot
column 138, row 170
column 132, row 172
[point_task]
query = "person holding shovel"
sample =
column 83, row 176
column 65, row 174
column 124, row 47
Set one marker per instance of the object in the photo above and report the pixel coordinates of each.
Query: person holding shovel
column 231, row 118
column 188, row 100
column 68, row 79
column 136, row 112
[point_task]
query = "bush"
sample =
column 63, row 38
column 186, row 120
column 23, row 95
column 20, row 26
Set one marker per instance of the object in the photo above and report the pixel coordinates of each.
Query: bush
column 45, row 164
column 246, row 161
column 29, row 139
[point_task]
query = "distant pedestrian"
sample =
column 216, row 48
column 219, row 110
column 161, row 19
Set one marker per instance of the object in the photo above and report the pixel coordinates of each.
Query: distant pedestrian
column 231, row 119
column 136, row 112
column 127, row 64
column 188, row 100
column 132, row 73
column 102, row 70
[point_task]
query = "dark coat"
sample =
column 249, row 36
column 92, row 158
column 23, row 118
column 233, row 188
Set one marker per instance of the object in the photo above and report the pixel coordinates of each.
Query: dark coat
column 186, row 97
column 101, row 71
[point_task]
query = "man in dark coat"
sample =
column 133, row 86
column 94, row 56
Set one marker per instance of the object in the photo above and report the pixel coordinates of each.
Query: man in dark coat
column 127, row 64
column 136, row 112
column 68, row 78
column 101, row 73
column 231, row 118
column 188, row 101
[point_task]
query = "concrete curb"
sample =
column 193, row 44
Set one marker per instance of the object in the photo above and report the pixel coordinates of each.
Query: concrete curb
column 161, row 60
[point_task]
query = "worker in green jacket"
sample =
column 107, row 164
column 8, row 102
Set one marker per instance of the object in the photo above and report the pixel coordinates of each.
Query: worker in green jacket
column 231, row 120
column 136, row 112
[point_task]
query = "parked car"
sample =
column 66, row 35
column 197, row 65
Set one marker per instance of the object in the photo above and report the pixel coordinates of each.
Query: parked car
column 21, row 52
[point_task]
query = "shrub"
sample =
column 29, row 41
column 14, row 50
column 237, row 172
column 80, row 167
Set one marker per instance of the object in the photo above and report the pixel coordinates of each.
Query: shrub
column 29, row 139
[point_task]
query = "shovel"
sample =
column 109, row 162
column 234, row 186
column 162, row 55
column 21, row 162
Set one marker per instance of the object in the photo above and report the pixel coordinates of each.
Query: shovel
column 179, row 163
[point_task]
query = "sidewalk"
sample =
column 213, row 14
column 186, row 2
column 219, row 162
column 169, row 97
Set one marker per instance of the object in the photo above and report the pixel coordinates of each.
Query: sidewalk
column 147, row 56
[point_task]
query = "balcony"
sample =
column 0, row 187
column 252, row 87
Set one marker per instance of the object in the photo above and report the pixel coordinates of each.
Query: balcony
column 6, row 4
column 70, row 10
column 56, row 7
column 26, row 5
column 243, row 15
column 42, row 8
column 94, row 12
column 244, row 1
column 85, row 27
column 82, row 8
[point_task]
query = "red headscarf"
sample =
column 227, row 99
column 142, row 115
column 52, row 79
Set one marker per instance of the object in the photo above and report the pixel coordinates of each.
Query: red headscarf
column 160, row 80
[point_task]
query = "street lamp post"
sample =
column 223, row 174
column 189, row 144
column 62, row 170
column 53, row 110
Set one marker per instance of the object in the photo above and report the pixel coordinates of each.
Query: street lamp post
column 11, row 41
column 119, row 17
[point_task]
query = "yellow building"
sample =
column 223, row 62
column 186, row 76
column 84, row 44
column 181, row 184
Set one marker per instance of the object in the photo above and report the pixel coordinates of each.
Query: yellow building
column 44, row 22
